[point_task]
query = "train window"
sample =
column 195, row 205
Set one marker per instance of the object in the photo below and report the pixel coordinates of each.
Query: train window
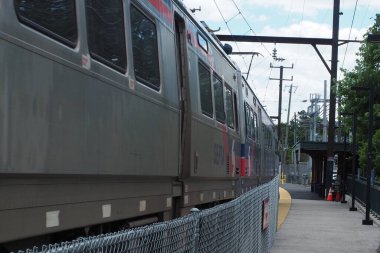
column 255, row 127
column 105, row 32
column 219, row 99
column 57, row 18
column 269, row 139
column 236, row 112
column 205, row 90
column 265, row 136
column 248, row 121
column 229, row 108
column 202, row 42
column 145, row 49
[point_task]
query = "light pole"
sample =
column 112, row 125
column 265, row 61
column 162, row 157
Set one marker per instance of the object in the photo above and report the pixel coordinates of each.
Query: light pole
column 354, row 119
column 367, row 220
column 344, row 170
column 344, row 176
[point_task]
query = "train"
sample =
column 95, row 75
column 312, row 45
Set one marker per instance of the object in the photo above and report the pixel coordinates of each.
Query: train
column 116, row 114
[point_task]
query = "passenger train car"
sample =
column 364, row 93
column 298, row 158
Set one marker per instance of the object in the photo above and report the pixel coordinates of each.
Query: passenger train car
column 115, row 114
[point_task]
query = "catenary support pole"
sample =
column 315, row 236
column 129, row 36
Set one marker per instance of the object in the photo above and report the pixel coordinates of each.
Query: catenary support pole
column 333, row 81
column 325, row 111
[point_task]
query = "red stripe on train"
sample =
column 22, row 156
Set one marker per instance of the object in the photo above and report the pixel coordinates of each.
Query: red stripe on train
column 243, row 163
column 163, row 9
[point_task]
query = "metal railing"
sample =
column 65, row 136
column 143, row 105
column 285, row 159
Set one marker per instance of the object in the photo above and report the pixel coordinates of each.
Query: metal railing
column 360, row 193
column 235, row 226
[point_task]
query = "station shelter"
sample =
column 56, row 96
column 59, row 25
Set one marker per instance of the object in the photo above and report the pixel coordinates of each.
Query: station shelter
column 322, row 179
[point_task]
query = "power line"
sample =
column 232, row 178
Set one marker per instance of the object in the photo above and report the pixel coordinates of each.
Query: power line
column 246, row 21
column 303, row 11
column 250, row 30
column 291, row 10
column 349, row 35
column 229, row 29
column 365, row 15
column 266, row 89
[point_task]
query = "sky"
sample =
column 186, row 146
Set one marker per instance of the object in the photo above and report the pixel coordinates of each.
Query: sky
column 288, row 18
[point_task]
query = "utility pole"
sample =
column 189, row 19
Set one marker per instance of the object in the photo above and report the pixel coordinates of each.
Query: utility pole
column 287, row 120
column 334, row 73
column 281, row 79
column 295, row 161
column 294, row 129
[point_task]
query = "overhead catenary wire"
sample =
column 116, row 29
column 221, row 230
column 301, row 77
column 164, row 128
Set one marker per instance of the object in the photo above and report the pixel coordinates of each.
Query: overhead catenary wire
column 291, row 10
column 303, row 12
column 365, row 15
column 246, row 21
column 250, row 30
column 349, row 35
column 230, row 31
column 266, row 88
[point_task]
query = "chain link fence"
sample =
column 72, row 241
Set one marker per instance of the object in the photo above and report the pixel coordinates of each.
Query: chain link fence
column 235, row 226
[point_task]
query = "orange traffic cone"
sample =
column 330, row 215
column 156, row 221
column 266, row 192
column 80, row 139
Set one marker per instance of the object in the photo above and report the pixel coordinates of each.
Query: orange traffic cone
column 337, row 196
column 329, row 197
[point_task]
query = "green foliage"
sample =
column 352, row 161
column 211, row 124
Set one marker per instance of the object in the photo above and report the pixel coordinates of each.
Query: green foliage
column 366, row 73
column 298, row 131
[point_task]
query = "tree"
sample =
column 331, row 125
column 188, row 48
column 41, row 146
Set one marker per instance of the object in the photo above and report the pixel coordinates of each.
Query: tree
column 300, row 127
column 366, row 73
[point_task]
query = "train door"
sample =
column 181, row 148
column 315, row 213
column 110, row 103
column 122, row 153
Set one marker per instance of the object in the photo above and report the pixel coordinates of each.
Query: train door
column 184, row 95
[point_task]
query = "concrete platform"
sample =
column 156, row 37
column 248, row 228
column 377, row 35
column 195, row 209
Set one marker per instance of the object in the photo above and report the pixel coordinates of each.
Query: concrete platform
column 322, row 226
column 284, row 204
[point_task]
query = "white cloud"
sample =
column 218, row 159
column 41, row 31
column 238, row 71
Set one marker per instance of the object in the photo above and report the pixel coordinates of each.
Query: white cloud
column 262, row 18
column 307, row 8
column 306, row 28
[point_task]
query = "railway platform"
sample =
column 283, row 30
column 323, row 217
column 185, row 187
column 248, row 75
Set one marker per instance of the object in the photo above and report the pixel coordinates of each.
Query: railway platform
column 310, row 224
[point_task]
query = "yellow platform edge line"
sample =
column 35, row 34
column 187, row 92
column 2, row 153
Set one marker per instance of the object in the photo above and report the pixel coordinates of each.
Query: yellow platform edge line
column 284, row 204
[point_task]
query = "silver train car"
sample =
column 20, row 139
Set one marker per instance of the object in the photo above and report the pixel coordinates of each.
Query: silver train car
column 116, row 114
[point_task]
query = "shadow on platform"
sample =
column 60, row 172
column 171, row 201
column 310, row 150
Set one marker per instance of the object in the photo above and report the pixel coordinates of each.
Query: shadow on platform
column 298, row 191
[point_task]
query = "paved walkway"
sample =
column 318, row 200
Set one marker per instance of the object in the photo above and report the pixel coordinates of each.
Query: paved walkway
column 322, row 226
column 298, row 191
